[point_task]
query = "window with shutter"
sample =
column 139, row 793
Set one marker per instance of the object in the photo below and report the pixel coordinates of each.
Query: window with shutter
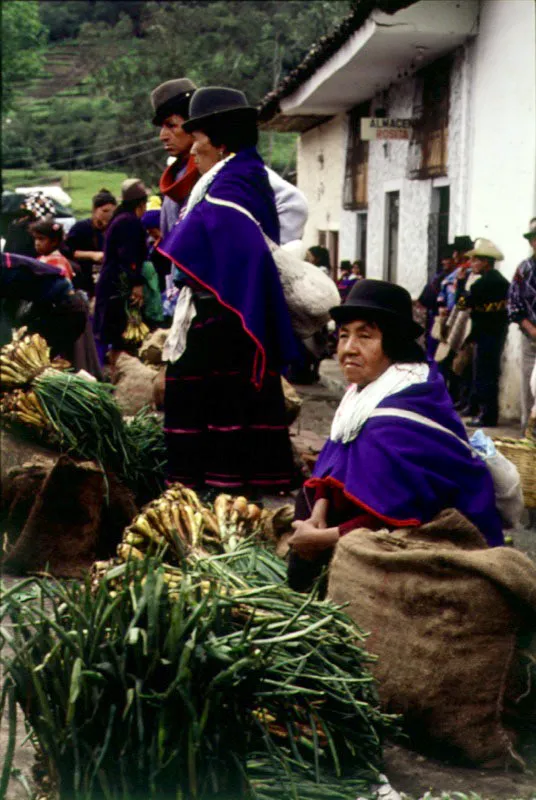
column 355, row 194
column 432, row 126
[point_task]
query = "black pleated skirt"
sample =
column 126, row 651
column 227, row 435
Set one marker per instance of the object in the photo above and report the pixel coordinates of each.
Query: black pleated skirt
column 220, row 430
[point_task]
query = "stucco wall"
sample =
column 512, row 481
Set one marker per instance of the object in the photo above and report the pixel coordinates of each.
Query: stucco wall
column 502, row 177
column 491, row 163
column 321, row 161
column 388, row 170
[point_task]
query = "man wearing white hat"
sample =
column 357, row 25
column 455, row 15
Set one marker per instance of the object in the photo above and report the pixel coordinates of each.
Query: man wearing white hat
column 487, row 301
column 522, row 309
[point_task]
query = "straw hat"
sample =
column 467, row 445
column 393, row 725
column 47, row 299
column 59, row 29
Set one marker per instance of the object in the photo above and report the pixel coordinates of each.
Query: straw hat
column 484, row 248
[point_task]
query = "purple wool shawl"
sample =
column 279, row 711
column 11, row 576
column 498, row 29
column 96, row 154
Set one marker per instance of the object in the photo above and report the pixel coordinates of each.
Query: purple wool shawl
column 224, row 252
column 405, row 473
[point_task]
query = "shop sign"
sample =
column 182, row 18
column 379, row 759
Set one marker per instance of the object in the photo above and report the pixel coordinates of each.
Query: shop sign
column 385, row 128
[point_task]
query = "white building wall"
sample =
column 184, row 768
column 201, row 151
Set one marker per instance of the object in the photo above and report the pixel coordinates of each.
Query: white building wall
column 491, row 164
column 502, row 177
column 388, row 171
column 321, row 162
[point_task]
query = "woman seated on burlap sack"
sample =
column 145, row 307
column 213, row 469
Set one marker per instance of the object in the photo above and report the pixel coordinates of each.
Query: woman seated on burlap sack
column 231, row 335
column 398, row 453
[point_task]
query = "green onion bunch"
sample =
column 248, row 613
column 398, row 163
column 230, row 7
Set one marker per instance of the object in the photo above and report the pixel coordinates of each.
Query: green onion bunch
column 232, row 688
column 84, row 420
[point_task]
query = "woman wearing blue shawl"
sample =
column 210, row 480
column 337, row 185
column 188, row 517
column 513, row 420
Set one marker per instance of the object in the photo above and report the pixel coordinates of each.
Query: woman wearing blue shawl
column 398, row 453
column 231, row 334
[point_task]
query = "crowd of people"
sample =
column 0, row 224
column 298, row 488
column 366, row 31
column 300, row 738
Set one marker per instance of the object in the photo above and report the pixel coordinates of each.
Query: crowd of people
column 201, row 262
column 469, row 305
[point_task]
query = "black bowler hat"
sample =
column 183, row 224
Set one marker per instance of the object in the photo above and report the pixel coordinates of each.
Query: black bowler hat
column 382, row 299
column 217, row 102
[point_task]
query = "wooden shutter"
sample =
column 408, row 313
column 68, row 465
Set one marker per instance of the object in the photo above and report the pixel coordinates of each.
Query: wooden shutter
column 431, row 130
column 355, row 195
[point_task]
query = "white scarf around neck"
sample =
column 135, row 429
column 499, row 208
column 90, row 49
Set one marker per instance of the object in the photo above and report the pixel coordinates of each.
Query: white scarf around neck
column 185, row 311
column 356, row 406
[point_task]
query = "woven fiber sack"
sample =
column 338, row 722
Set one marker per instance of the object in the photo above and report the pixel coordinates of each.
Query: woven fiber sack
column 443, row 611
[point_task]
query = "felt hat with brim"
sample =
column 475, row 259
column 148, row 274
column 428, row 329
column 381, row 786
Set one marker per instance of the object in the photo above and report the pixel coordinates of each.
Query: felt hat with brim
column 484, row 248
column 133, row 189
column 171, row 97
column 374, row 299
column 462, row 244
column 531, row 233
column 217, row 102
column 447, row 251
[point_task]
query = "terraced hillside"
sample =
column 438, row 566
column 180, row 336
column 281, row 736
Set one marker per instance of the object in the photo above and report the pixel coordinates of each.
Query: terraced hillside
column 66, row 67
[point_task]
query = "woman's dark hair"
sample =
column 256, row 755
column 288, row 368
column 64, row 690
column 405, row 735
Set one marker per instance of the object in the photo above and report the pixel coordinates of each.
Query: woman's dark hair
column 320, row 254
column 397, row 344
column 398, row 348
column 48, row 227
column 234, row 131
column 128, row 206
column 345, row 265
column 103, row 198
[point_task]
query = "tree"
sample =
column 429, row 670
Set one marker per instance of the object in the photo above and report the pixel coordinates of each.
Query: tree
column 23, row 38
column 127, row 47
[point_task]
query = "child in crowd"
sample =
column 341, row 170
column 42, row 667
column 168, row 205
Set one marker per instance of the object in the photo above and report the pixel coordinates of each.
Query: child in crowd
column 48, row 236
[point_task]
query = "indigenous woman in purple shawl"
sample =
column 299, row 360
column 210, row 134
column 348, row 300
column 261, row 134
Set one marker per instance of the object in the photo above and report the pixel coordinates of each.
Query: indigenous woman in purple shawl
column 398, row 453
column 120, row 279
column 231, row 334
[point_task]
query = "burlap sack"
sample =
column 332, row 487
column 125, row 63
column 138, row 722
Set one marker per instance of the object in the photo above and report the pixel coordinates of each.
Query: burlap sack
column 62, row 531
column 443, row 612
column 133, row 384
column 75, row 514
column 293, row 401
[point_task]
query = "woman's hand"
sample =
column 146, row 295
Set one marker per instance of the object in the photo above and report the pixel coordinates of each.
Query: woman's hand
column 318, row 516
column 308, row 541
column 136, row 296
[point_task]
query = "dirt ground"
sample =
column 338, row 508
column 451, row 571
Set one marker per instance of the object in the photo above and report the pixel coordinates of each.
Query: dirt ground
column 408, row 772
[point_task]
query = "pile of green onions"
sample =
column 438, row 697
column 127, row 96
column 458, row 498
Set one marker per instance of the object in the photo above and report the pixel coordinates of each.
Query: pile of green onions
column 236, row 688
column 84, row 420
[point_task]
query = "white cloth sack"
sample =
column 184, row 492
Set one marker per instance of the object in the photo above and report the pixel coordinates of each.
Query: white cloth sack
column 309, row 293
column 508, row 492
column 506, row 479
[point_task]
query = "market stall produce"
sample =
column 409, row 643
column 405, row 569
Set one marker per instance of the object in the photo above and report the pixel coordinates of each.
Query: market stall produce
column 223, row 685
column 77, row 416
